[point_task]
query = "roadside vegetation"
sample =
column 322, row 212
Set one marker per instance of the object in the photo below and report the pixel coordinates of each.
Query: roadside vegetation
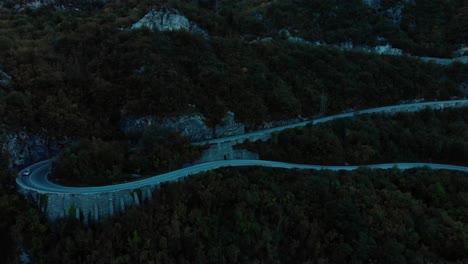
column 258, row 215
column 428, row 136
column 97, row 162
column 22, row 228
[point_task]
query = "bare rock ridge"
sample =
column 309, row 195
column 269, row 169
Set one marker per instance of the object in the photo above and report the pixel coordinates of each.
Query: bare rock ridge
column 166, row 19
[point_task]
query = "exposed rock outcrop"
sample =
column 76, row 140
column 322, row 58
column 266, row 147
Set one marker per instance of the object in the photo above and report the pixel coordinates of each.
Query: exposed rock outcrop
column 169, row 20
column 461, row 52
column 441, row 61
column 229, row 127
column 64, row 4
column 392, row 12
column 26, row 149
column 5, row 79
column 192, row 126
column 372, row 3
column 386, row 49
column 383, row 49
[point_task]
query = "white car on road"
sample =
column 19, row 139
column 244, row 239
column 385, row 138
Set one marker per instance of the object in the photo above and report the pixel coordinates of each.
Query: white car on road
column 27, row 172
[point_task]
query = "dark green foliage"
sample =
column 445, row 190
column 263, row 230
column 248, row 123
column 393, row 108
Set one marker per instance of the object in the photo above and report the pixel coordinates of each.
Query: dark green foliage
column 161, row 151
column 21, row 227
column 92, row 162
column 435, row 26
column 428, row 136
column 282, row 216
column 98, row 162
column 75, row 73
column 426, row 28
column 8, row 202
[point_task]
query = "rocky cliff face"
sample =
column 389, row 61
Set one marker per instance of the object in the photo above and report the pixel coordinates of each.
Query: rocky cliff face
column 26, row 149
column 192, row 126
column 168, row 20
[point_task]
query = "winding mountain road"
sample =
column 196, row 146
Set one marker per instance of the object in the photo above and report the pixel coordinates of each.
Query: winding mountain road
column 37, row 181
column 385, row 109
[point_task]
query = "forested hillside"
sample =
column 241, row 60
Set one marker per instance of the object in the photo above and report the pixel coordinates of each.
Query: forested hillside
column 430, row 28
column 428, row 136
column 72, row 71
column 280, row 216
column 75, row 73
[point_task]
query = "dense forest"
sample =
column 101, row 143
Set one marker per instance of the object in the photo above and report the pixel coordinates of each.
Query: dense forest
column 77, row 70
column 427, row 136
column 75, row 73
column 256, row 215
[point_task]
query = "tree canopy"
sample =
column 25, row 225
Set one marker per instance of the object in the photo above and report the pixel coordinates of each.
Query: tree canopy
column 75, row 73
column 428, row 136
column 259, row 215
